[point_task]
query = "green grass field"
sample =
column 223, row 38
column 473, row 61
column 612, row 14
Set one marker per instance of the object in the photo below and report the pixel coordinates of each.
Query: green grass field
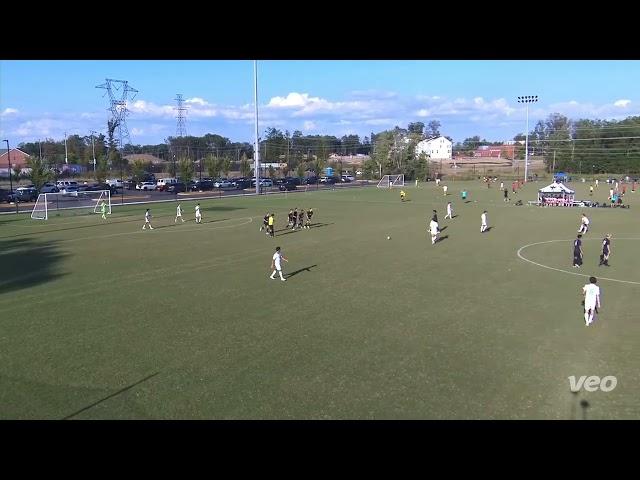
column 101, row 320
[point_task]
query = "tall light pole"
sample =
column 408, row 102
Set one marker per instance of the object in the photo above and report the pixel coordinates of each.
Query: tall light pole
column 66, row 160
column 9, row 172
column 93, row 149
column 256, row 148
column 527, row 99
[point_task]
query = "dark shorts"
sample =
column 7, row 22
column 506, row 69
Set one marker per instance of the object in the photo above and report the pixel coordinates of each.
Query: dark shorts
column 577, row 260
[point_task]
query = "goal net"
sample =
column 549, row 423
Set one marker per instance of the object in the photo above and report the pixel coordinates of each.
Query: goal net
column 71, row 203
column 389, row 181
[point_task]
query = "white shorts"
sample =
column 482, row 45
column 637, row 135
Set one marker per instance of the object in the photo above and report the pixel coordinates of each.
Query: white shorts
column 589, row 306
column 278, row 268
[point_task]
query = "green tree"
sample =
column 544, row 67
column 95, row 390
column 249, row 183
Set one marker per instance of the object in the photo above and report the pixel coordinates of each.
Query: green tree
column 186, row 169
column 245, row 166
column 101, row 169
column 226, row 166
column 434, row 128
column 138, row 168
column 301, row 170
column 213, row 166
column 40, row 172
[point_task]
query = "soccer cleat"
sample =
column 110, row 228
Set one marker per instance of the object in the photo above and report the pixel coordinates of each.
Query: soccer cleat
column 272, row 278
column 283, row 279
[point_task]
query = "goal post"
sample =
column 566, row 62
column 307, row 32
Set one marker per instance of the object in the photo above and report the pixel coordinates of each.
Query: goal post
column 40, row 210
column 72, row 203
column 390, row 181
column 105, row 196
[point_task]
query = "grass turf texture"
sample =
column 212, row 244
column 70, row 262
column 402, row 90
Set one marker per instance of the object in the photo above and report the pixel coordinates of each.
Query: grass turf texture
column 101, row 320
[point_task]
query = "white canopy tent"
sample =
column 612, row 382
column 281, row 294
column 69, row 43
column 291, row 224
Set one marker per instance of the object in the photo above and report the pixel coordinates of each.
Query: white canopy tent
column 556, row 195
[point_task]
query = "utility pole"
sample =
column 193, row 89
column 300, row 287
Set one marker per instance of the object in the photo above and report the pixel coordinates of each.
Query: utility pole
column 93, row 149
column 66, row 160
column 553, row 169
column 256, row 150
column 527, row 100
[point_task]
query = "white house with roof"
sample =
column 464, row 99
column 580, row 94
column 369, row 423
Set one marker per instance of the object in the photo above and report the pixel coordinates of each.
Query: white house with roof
column 437, row 148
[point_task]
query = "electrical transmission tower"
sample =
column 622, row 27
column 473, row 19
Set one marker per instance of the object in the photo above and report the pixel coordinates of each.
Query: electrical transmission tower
column 181, row 131
column 118, row 107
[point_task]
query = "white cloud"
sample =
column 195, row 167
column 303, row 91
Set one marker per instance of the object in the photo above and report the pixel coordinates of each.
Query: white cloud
column 622, row 103
column 308, row 125
column 9, row 111
column 423, row 112
column 137, row 131
column 196, row 101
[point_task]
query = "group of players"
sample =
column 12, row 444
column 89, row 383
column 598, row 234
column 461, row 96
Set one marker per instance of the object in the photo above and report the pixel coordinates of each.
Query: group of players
column 591, row 291
column 296, row 219
column 577, row 245
column 147, row 216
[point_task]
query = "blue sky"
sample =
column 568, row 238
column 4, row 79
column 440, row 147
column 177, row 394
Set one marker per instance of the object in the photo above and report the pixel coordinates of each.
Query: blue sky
column 40, row 99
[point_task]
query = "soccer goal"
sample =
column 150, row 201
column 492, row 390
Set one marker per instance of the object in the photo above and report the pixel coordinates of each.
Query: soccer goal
column 389, row 181
column 72, row 203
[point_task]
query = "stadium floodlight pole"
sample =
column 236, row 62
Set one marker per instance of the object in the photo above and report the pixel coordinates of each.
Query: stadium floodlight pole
column 9, row 172
column 66, row 160
column 256, row 148
column 93, row 148
column 527, row 99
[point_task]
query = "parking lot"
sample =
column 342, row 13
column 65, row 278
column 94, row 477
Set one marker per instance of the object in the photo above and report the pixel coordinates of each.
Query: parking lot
column 124, row 196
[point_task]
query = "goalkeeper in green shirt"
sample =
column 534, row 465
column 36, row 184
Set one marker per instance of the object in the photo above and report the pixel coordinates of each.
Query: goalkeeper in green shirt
column 103, row 210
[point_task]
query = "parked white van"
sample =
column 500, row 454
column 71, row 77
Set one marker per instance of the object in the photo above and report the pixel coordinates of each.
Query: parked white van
column 162, row 183
column 66, row 183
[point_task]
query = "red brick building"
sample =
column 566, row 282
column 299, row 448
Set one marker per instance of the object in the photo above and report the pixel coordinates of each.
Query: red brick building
column 18, row 158
column 500, row 151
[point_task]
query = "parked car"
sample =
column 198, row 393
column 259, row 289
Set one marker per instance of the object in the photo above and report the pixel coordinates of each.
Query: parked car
column 311, row 180
column 115, row 182
column 242, row 184
column 23, row 194
column 347, row 178
column 202, row 185
column 176, row 187
column 49, row 188
column 287, row 186
column 294, row 180
column 3, row 194
column 70, row 191
column 266, row 182
column 222, row 183
column 146, row 186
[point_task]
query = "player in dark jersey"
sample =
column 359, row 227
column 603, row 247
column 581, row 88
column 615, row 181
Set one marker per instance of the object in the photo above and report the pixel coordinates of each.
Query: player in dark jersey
column 265, row 223
column 309, row 215
column 577, row 252
column 290, row 222
column 294, row 219
column 606, row 251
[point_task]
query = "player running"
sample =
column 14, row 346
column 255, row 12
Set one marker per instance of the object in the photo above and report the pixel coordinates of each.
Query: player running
column 178, row 214
column 147, row 220
column 591, row 300
column 198, row 214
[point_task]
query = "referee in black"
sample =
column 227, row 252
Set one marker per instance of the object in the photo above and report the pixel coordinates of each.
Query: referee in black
column 577, row 252
column 606, row 251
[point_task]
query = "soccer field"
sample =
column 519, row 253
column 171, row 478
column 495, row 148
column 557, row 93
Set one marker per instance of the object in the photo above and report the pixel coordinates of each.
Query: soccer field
column 102, row 320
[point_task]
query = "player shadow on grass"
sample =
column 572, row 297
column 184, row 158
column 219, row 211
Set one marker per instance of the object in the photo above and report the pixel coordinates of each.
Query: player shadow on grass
column 305, row 269
column 584, row 405
column 443, row 228
column 287, row 231
column 133, row 219
column 27, row 262
column 440, row 239
column 488, row 229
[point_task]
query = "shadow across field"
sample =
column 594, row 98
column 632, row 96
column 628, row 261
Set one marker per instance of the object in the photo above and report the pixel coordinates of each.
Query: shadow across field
column 27, row 262
column 305, row 269
column 287, row 231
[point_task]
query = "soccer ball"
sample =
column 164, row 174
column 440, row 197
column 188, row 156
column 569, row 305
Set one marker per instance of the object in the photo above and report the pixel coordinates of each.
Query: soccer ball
column 388, row 238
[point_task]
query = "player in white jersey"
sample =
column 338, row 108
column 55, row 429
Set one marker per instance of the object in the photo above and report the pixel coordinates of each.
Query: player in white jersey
column 147, row 220
column 449, row 211
column 198, row 214
column 276, row 265
column 483, row 219
column 584, row 224
column 433, row 230
column 178, row 214
column 445, row 188
column 591, row 301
